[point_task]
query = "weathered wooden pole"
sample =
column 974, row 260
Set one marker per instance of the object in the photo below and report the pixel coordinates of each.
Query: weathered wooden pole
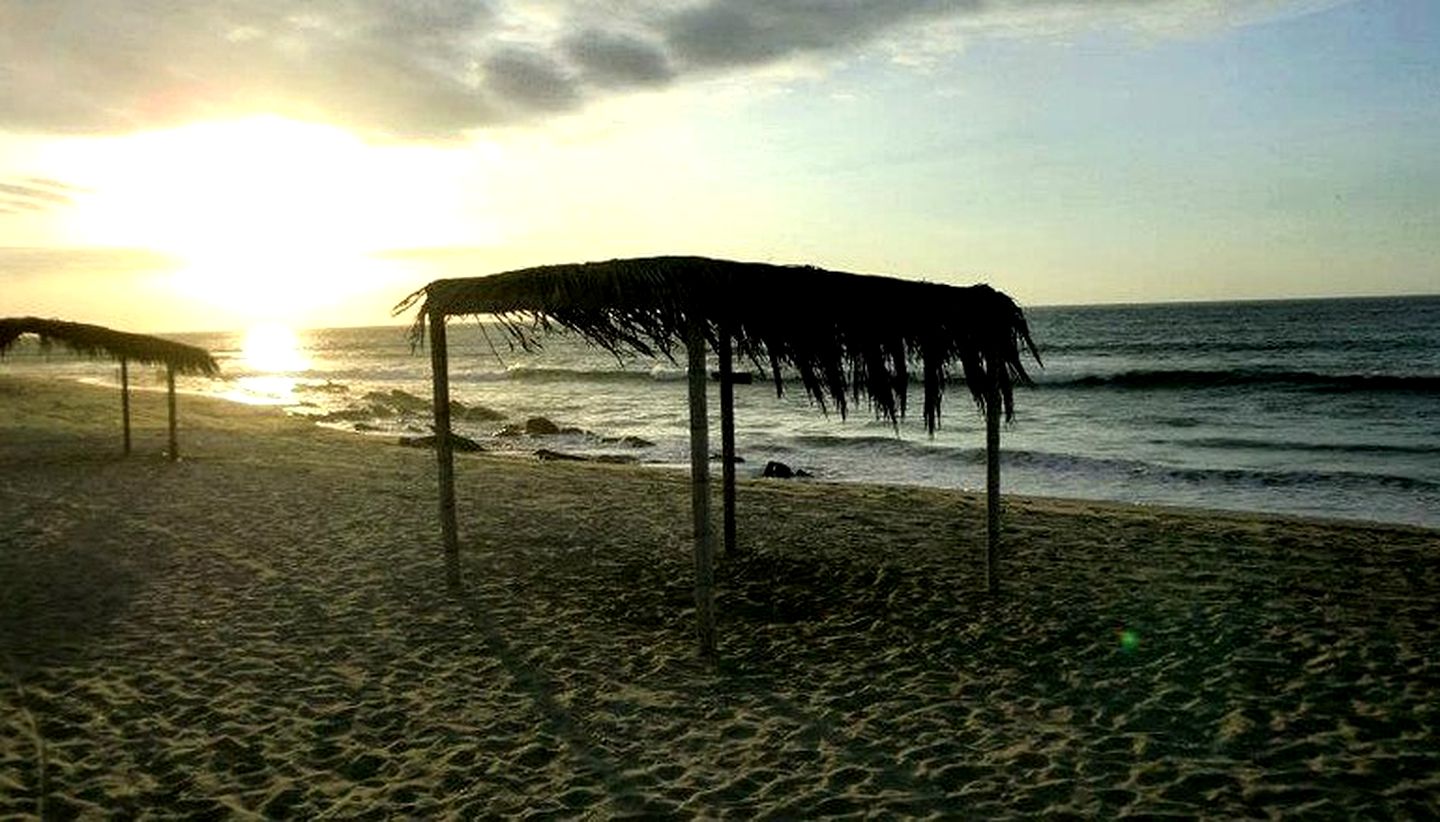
column 727, row 441
column 444, row 448
column 170, row 388
column 992, row 491
column 700, row 492
column 125, row 400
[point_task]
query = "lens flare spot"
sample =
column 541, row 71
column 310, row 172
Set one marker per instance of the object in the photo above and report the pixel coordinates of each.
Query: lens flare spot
column 1128, row 639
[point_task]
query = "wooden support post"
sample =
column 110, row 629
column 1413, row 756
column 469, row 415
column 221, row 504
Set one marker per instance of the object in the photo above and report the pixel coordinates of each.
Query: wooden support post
column 700, row 493
column 992, row 492
column 125, row 400
column 727, row 441
column 444, row 448
column 170, row 387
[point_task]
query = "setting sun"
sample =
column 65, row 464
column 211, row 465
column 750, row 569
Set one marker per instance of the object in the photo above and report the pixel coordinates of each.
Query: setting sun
column 273, row 349
column 264, row 217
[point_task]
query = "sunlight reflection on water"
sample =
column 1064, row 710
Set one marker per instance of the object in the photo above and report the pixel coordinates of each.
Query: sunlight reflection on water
column 264, row 390
column 273, row 354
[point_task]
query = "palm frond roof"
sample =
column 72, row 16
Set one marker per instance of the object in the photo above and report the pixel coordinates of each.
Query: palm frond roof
column 96, row 341
column 844, row 335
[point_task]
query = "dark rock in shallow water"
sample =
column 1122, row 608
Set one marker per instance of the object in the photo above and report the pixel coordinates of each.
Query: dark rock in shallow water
column 473, row 413
column 401, row 403
column 719, row 457
column 365, row 426
column 398, row 401
column 540, row 427
column 533, row 427
column 630, row 440
column 457, row 442
column 546, row 455
column 779, row 470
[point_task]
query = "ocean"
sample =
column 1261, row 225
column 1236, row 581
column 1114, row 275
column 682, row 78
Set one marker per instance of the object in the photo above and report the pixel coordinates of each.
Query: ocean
column 1310, row 407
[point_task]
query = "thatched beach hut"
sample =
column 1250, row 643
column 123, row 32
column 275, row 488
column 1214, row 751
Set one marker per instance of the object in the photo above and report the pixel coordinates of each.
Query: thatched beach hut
column 96, row 341
column 845, row 336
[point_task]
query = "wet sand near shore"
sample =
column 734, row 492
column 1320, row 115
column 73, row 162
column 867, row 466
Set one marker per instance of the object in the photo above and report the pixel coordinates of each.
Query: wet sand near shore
column 267, row 627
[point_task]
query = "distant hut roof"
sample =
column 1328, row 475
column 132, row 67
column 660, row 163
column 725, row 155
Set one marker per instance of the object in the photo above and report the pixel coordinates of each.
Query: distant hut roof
column 845, row 335
column 97, row 341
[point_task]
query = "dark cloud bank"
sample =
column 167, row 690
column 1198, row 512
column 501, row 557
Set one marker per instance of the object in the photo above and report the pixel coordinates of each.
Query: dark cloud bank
column 406, row 68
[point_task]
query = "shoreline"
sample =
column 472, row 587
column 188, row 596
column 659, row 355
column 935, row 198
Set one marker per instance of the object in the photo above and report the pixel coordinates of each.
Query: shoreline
column 268, row 627
column 392, row 438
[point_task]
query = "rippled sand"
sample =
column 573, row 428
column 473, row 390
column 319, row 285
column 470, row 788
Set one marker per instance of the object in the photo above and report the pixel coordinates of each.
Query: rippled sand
column 267, row 627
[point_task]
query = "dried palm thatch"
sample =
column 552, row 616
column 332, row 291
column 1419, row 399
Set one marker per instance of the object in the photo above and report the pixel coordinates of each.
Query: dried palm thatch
column 96, row 341
column 845, row 336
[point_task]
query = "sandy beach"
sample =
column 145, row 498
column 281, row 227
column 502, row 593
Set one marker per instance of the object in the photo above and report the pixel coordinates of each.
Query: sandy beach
column 267, row 629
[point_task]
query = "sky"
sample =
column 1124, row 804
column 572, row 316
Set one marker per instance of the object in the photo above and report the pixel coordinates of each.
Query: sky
column 217, row 164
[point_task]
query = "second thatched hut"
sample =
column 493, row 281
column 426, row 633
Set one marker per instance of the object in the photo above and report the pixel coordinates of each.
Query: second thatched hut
column 96, row 341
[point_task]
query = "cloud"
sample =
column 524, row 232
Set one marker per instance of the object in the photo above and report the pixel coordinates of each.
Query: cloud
column 615, row 60
column 530, row 81
column 749, row 32
column 27, row 263
column 437, row 68
column 29, row 194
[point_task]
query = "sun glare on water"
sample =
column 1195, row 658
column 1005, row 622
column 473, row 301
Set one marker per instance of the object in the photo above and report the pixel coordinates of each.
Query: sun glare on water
column 273, row 354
